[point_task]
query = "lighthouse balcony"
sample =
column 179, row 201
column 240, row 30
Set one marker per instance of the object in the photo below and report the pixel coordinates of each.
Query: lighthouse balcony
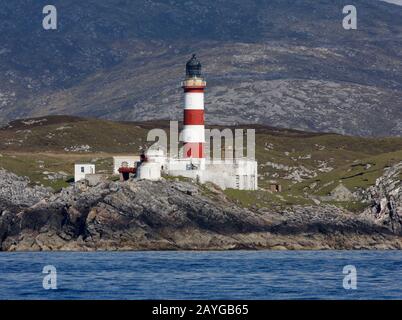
column 194, row 83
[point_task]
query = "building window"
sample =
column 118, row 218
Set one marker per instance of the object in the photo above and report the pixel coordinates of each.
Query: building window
column 82, row 169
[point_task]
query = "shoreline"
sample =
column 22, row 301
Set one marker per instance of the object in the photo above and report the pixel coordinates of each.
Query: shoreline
column 167, row 215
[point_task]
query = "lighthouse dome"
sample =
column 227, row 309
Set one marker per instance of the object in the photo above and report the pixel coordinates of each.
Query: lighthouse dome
column 193, row 67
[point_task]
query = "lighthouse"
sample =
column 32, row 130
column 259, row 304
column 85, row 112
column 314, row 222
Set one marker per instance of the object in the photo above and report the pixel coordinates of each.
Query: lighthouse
column 194, row 162
column 193, row 134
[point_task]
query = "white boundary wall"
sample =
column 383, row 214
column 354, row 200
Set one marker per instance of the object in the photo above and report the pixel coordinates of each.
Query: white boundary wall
column 118, row 160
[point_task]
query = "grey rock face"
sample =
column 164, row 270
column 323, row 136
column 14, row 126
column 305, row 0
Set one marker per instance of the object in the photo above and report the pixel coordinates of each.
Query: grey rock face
column 16, row 190
column 145, row 215
column 386, row 197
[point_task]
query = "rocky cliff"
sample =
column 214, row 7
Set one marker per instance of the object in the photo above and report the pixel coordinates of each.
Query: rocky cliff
column 15, row 190
column 386, row 198
column 173, row 215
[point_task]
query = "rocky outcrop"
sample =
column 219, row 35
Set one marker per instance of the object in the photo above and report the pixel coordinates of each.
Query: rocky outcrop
column 385, row 198
column 16, row 190
column 340, row 193
column 172, row 215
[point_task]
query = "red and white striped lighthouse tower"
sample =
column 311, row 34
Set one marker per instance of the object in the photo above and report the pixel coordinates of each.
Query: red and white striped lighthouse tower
column 193, row 134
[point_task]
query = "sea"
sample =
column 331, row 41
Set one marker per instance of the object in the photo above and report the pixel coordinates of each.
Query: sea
column 229, row 275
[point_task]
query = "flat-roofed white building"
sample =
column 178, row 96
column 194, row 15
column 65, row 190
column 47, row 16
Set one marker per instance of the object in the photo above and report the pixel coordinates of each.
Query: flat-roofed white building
column 241, row 174
column 82, row 169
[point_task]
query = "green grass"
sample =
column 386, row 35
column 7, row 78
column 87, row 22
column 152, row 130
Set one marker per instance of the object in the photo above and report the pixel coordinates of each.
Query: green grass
column 353, row 175
column 264, row 199
column 23, row 146
column 67, row 132
column 35, row 165
column 352, row 206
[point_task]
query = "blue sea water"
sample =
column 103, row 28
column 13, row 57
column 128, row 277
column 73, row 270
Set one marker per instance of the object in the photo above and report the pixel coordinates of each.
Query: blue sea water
column 202, row 275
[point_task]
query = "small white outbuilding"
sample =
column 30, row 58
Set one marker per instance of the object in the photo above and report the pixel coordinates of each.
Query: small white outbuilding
column 149, row 171
column 82, row 169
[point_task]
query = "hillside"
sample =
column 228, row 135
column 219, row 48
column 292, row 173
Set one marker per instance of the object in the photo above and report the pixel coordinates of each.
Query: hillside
column 307, row 165
column 282, row 63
